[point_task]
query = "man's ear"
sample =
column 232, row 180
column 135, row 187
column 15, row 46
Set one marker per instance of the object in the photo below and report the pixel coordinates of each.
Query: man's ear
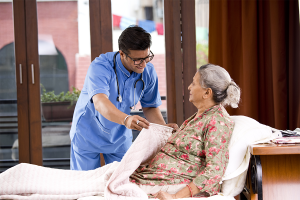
column 122, row 55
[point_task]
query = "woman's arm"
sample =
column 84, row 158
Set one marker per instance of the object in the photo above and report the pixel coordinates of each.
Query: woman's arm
column 216, row 140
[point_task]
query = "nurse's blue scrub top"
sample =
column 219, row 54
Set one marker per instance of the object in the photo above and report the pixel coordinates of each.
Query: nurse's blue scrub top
column 90, row 130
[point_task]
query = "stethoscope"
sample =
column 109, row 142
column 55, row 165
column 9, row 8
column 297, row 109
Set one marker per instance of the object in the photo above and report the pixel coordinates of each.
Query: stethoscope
column 119, row 98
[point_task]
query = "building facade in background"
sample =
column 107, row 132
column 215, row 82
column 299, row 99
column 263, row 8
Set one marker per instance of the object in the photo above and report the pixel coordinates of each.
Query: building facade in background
column 64, row 40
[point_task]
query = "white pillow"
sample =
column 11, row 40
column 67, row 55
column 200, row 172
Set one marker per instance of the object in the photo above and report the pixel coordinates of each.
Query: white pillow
column 246, row 131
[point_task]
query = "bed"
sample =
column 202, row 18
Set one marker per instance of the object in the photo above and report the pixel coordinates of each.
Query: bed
column 111, row 182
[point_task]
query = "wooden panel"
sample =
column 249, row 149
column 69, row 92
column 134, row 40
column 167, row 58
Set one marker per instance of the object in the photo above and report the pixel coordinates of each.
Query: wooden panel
column 95, row 29
column 275, row 149
column 100, row 27
column 189, row 52
column 102, row 161
column 281, row 177
column 22, row 90
column 33, row 82
column 173, row 61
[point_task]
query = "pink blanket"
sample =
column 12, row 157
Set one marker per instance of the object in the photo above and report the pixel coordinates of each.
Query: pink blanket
column 26, row 181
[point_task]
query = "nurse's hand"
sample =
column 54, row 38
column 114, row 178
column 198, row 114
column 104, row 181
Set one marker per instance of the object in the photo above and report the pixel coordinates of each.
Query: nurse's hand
column 174, row 126
column 136, row 122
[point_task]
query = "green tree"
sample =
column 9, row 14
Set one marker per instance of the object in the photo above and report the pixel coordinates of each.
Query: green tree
column 202, row 54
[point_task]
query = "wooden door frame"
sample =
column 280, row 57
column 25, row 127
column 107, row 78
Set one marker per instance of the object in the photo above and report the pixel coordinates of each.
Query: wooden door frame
column 21, row 80
column 33, row 70
column 173, row 55
column 180, row 38
column 189, row 57
column 101, row 33
column 28, row 82
column 100, row 27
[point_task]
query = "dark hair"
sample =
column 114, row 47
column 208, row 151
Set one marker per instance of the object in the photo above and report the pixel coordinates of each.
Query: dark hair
column 134, row 38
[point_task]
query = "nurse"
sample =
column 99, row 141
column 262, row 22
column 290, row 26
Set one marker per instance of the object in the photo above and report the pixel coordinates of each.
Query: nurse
column 114, row 84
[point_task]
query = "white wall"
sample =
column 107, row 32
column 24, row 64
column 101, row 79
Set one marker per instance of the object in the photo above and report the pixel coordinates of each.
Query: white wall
column 125, row 8
column 84, row 39
column 158, row 42
column 121, row 8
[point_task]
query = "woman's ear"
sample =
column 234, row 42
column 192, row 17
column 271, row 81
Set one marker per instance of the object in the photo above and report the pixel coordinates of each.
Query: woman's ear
column 208, row 93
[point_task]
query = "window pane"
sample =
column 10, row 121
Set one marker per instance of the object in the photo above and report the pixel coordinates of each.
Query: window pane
column 149, row 15
column 202, row 21
column 64, row 53
column 8, row 90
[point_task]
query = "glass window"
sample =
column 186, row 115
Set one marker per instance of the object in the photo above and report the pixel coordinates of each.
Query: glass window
column 64, row 53
column 149, row 15
column 8, row 90
column 202, row 22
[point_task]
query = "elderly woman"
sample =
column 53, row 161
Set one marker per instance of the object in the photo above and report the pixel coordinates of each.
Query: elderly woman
column 194, row 158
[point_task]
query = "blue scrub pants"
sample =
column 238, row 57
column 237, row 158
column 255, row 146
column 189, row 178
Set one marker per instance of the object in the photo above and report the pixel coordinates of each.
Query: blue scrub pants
column 86, row 160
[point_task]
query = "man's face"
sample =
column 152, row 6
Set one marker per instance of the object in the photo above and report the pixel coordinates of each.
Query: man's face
column 134, row 56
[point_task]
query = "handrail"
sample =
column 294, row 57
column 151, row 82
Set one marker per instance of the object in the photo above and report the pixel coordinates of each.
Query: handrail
column 14, row 101
column 8, row 101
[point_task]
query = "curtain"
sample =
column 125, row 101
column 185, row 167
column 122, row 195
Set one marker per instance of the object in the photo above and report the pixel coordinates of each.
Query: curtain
column 257, row 42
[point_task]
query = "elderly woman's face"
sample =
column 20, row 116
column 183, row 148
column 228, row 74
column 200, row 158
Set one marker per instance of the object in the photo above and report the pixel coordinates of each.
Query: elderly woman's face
column 196, row 91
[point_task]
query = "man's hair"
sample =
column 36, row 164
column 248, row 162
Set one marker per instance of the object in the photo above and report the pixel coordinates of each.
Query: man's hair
column 134, row 38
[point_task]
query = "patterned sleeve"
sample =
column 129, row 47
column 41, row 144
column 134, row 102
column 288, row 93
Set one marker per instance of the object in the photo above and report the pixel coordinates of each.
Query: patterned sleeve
column 217, row 133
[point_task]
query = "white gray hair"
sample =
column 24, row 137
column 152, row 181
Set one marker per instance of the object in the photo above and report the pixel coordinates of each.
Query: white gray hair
column 225, row 90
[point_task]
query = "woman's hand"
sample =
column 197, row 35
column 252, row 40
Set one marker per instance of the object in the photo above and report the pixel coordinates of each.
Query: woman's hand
column 164, row 196
column 174, row 126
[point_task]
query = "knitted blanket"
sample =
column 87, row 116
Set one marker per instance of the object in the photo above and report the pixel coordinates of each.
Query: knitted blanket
column 27, row 181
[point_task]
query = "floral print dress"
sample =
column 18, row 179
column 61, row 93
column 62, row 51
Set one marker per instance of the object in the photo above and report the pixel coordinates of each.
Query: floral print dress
column 197, row 152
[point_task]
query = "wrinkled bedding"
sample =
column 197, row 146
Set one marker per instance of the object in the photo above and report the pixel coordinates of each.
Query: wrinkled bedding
column 26, row 181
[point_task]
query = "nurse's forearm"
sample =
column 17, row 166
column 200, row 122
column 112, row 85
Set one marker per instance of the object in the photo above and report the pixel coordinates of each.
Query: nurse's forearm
column 107, row 109
column 154, row 115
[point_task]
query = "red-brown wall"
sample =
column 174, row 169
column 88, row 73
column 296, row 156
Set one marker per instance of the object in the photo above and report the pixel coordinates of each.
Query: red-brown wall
column 6, row 24
column 58, row 19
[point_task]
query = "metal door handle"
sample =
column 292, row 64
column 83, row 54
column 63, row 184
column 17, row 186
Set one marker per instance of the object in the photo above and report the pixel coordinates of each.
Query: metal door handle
column 20, row 66
column 32, row 73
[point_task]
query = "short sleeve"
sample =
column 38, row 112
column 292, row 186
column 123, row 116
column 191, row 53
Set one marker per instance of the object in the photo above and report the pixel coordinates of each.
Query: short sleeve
column 151, row 96
column 217, row 137
column 98, row 78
